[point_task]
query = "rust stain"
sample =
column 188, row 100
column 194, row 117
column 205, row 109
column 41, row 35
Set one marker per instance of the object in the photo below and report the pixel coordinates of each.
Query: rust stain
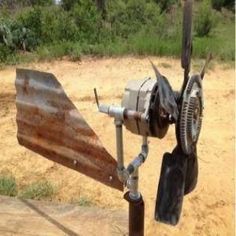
column 26, row 86
column 49, row 124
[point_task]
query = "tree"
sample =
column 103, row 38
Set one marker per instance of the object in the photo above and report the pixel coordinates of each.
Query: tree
column 101, row 5
column 218, row 4
column 204, row 21
column 69, row 4
column 165, row 5
column 14, row 4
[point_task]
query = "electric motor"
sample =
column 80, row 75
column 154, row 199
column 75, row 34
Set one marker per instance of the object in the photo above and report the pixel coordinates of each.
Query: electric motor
column 142, row 96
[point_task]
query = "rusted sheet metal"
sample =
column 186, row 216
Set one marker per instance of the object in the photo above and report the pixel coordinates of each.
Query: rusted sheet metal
column 49, row 124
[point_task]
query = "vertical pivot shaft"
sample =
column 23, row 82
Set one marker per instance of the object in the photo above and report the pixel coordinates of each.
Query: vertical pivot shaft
column 136, row 215
column 129, row 177
column 136, row 206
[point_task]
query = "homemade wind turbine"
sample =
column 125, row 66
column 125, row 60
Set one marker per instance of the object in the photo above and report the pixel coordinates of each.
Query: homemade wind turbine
column 49, row 124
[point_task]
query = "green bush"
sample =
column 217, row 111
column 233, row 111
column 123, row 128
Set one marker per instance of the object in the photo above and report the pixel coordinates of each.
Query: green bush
column 51, row 24
column 129, row 26
column 5, row 33
column 128, row 19
column 25, row 39
column 204, row 21
column 8, row 186
column 4, row 53
column 38, row 190
column 69, row 4
column 16, row 4
column 75, row 52
column 165, row 5
column 88, row 20
column 58, row 25
column 31, row 19
column 153, row 45
column 16, row 34
column 27, row 29
column 39, row 2
column 82, row 201
column 230, row 4
column 218, row 4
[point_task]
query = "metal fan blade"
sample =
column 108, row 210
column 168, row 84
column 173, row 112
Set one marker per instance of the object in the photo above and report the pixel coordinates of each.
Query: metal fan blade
column 171, row 187
column 191, row 173
column 49, row 124
column 157, row 72
column 166, row 95
column 209, row 57
column 187, row 39
column 188, row 129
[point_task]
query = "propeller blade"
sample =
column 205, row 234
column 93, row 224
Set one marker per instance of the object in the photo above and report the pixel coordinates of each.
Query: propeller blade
column 50, row 125
column 166, row 95
column 187, row 39
column 191, row 173
column 188, row 129
column 171, row 187
column 157, row 72
column 209, row 58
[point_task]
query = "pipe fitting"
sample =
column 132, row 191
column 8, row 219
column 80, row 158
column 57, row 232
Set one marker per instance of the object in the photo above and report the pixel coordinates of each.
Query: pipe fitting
column 132, row 184
column 140, row 159
column 123, row 175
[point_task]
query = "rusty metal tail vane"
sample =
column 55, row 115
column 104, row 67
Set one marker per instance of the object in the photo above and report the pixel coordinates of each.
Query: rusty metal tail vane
column 49, row 124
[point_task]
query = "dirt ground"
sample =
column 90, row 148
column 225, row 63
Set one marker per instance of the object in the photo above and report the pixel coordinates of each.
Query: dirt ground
column 209, row 210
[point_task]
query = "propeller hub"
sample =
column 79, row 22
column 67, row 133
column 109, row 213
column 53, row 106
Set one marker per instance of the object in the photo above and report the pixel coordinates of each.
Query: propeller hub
column 189, row 125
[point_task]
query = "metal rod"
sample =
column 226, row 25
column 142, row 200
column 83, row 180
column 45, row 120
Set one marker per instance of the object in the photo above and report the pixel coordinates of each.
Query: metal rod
column 96, row 97
column 119, row 113
column 209, row 58
column 134, row 115
column 119, row 150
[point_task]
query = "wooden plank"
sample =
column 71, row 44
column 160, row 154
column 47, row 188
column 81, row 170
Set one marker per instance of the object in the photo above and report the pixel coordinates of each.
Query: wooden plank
column 39, row 218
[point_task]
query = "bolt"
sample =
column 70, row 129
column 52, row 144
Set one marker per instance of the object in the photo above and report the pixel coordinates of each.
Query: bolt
column 75, row 162
column 110, row 178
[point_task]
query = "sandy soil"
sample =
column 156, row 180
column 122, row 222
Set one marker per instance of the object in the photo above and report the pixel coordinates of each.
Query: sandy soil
column 209, row 210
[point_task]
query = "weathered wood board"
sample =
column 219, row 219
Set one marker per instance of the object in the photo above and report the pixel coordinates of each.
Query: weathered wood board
column 38, row 218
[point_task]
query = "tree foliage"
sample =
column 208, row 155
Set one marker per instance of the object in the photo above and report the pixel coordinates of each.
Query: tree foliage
column 69, row 4
column 96, row 25
column 218, row 4
column 165, row 5
column 15, row 4
column 204, row 21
